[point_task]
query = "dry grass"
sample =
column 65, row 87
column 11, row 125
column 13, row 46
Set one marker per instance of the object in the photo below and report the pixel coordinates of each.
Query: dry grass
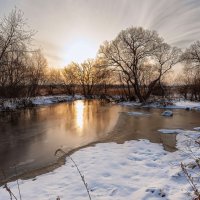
column 78, row 170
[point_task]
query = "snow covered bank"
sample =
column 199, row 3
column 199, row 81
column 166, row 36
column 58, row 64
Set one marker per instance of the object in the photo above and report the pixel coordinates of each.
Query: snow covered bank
column 12, row 104
column 172, row 105
column 138, row 114
column 187, row 104
column 130, row 103
column 137, row 170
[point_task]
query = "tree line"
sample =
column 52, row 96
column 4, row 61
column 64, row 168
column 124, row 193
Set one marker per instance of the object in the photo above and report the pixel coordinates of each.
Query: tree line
column 137, row 60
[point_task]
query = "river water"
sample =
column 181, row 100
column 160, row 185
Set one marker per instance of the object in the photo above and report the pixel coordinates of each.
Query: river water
column 30, row 137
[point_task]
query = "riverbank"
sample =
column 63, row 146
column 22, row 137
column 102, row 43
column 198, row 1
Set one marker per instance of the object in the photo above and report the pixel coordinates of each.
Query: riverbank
column 133, row 170
column 174, row 104
column 19, row 103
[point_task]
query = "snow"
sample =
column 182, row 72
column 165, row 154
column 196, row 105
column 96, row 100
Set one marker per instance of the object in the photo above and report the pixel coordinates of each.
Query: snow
column 130, row 103
column 187, row 104
column 197, row 128
column 167, row 113
column 175, row 104
column 134, row 170
column 170, row 131
column 9, row 104
column 50, row 99
column 12, row 104
column 137, row 114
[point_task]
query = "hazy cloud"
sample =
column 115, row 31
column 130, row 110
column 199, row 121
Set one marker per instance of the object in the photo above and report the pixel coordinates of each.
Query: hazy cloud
column 59, row 23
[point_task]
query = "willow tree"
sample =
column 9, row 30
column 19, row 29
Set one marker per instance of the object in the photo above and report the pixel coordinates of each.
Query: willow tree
column 142, row 57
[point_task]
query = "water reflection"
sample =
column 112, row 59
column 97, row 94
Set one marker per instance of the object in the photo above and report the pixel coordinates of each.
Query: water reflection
column 146, row 127
column 168, row 141
column 79, row 109
column 30, row 137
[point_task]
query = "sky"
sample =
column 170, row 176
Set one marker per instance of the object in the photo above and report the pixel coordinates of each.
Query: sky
column 72, row 30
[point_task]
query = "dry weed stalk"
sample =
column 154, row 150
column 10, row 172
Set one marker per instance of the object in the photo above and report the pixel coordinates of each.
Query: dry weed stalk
column 11, row 194
column 81, row 175
column 191, row 182
column 189, row 177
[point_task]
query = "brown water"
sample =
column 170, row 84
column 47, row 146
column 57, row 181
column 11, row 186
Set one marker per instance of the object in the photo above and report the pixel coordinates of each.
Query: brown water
column 30, row 137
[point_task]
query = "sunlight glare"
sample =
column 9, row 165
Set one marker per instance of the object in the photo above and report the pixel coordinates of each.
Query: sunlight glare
column 79, row 50
column 79, row 107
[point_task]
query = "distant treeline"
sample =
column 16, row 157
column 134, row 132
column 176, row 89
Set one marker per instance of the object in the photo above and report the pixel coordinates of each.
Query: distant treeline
column 136, row 65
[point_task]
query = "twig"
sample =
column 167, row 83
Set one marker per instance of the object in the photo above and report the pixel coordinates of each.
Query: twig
column 82, row 176
column 7, row 188
column 20, row 197
column 191, row 181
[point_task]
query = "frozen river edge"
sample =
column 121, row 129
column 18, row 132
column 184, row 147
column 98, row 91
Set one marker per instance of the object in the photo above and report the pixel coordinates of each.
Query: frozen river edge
column 133, row 170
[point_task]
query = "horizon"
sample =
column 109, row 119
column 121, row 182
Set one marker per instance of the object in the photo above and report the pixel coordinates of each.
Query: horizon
column 73, row 30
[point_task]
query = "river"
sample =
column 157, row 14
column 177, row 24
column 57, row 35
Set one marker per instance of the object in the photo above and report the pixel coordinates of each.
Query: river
column 30, row 137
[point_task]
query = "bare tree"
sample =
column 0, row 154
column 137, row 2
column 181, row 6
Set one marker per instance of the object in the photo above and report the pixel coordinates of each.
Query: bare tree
column 36, row 74
column 191, row 73
column 86, row 75
column 13, row 74
column 14, row 40
column 165, row 58
column 54, row 79
column 191, row 56
column 13, row 34
column 70, row 78
column 90, row 75
column 142, row 56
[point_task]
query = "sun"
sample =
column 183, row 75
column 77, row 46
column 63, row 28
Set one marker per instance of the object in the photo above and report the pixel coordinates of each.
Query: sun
column 79, row 50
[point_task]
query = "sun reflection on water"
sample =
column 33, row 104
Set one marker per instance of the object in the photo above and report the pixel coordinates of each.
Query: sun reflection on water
column 79, row 109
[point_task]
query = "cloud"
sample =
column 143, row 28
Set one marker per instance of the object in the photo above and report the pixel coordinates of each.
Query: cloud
column 60, row 23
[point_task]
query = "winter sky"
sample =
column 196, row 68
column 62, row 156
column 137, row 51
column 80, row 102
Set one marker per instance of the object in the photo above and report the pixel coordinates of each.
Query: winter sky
column 72, row 30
